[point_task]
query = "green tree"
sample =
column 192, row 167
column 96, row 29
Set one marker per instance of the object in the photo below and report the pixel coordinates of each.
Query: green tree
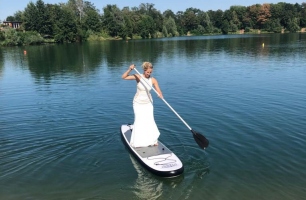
column 190, row 20
column 225, row 27
column 43, row 24
column 65, row 27
column 293, row 25
column 31, row 38
column 30, row 20
column 148, row 9
column 77, row 7
column 170, row 27
column 289, row 17
column 12, row 38
column 10, row 18
column 252, row 17
column 229, row 22
column 112, row 20
column 36, row 18
column 18, row 16
column 303, row 15
column 180, row 22
column 204, row 21
column 216, row 17
column 235, row 20
column 168, row 13
column 92, row 19
column 233, row 27
column 146, row 26
column 240, row 12
column 273, row 25
column 2, row 36
column 129, row 26
column 200, row 30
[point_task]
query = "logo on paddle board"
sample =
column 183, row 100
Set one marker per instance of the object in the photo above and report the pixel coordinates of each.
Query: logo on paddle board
column 169, row 165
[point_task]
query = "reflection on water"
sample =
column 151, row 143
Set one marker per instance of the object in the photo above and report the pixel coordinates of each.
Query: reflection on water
column 146, row 187
column 46, row 61
column 1, row 62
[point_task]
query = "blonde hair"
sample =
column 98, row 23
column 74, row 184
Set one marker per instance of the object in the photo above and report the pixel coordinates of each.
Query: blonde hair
column 146, row 65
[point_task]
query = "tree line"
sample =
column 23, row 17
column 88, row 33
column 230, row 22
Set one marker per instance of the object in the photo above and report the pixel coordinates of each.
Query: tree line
column 79, row 20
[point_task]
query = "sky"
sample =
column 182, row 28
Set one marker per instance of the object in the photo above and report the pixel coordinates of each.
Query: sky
column 9, row 7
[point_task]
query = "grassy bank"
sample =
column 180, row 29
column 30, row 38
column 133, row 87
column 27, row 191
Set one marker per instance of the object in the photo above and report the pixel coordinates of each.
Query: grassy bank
column 13, row 37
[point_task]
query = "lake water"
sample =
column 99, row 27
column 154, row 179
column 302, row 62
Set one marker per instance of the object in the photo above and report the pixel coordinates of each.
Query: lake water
column 61, row 108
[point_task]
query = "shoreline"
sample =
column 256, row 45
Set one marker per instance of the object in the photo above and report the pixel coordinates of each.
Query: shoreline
column 95, row 38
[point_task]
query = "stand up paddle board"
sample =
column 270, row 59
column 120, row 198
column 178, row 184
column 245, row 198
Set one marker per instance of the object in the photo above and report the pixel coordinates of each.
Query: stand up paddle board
column 157, row 159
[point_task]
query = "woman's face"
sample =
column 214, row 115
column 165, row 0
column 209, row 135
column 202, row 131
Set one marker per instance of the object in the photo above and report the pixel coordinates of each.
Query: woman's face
column 148, row 72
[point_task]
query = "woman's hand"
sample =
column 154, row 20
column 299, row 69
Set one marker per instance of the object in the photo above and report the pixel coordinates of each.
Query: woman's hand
column 160, row 95
column 132, row 66
column 126, row 75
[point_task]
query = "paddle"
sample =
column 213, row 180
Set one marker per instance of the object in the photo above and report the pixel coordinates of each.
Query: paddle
column 199, row 138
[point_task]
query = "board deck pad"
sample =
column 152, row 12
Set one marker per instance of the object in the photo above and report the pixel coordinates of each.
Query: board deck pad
column 149, row 151
column 157, row 159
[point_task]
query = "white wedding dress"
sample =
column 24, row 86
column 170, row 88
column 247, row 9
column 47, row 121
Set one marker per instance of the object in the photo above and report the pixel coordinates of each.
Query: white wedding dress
column 145, row 131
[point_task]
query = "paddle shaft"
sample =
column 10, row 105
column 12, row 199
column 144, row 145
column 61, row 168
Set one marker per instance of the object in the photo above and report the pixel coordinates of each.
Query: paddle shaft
column 164, row 101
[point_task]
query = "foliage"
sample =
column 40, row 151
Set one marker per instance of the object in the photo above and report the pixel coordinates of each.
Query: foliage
column 113, row 20
column 303, row 15
column 2, row 36
column 30, row 38
column 147, row 27
column 18, row 16
column 65, row 29
column 92, row 21
column 10, row 18
column 169, row 27
column 273, row 25
column 78, row 20
column 293, row 25
column 12, row 38
column 247, row 29
column 94, row 36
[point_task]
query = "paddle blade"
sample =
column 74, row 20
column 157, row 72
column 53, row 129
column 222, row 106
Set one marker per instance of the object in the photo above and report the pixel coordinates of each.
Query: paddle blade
column 200, row 139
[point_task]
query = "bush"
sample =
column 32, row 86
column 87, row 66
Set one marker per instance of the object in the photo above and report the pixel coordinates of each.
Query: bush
column 216, row 30
column 96, row 36
column 30, row 38
column 12, row 38
column 160, row 35
column 2, row 37
column 277, row 29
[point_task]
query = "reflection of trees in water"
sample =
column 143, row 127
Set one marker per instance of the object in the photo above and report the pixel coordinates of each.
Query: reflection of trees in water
column 51, row 60
column 194, row 47
column 135, row 51
column 1, row 62
column 13, row 56
column 46, row 61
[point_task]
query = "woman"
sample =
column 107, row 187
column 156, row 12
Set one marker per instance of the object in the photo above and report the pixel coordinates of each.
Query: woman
column 145, row 132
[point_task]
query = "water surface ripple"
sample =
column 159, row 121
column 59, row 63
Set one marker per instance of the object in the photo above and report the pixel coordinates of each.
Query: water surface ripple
column 61, row 113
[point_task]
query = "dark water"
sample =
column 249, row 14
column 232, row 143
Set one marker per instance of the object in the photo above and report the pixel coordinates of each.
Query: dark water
column 61, row 107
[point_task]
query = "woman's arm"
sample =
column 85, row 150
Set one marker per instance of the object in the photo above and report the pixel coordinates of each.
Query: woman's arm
column 156, row 86
column 126, row 75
